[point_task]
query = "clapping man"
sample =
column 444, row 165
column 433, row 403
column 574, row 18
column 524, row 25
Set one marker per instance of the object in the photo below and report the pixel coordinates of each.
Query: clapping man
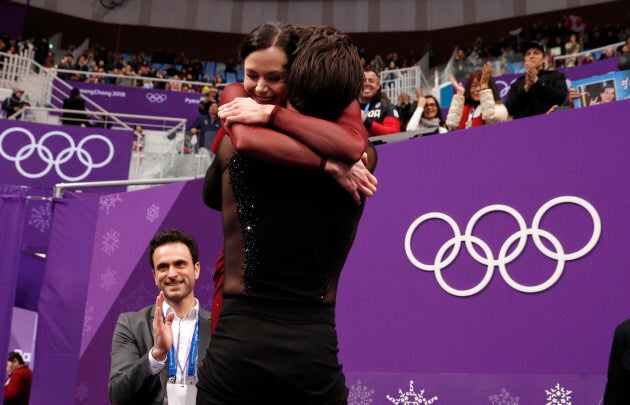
column 156, row 350
column 539, row 90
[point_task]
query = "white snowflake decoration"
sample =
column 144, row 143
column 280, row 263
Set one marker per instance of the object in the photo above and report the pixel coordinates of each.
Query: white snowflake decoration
column 504, row 398
column 411, row 397
column 111, row 241
column 107, row 202
column 87, row 319
column 153, row 213
column 360, row 394
column 81, row 392
column 40, row 217
column 558, row 396
column 108, row 279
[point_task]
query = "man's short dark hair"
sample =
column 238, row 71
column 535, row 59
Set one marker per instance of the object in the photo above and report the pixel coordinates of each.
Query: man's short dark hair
column 16, row 356
column 173, row 236
column 325, row 73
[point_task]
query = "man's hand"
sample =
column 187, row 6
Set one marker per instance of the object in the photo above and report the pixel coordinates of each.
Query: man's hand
column 353, row 178
column 531, row 75
column 244, row 110
column 162, row 332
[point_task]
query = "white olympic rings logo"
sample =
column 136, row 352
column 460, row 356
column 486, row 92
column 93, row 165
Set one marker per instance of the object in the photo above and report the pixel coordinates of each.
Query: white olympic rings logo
column 504, row 258
column 46, row 155
column 156, row 97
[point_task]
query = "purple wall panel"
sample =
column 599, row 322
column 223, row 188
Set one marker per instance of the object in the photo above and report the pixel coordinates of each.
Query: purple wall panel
column 42, row 155
column 141, row 101
column 396, row 318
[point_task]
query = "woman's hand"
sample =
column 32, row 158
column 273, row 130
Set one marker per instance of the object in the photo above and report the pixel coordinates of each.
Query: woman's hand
column 459, row 88
column 353, row 178
column 244, row 110
column 486, row 74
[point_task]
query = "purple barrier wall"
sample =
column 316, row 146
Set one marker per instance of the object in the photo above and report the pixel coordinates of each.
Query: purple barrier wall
column 488, row 269
column 43, row 155
column 12, row 203
column 396, row 321
column 141, row 101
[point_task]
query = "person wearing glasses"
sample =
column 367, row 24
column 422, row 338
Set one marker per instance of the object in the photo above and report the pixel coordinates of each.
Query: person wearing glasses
column 428, row 115
column 476, row 104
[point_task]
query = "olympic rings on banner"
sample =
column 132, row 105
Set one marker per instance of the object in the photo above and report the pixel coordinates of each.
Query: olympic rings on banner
column 503, row 259
column 46, row 155
column 156, row 97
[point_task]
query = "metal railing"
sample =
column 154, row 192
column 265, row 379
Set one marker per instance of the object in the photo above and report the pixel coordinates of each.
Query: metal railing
column 394, row 82
column 61, row 187
column 578, row 57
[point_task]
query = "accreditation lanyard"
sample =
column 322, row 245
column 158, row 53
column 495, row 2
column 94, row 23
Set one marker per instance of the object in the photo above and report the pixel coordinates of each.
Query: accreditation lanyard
column 173, row 360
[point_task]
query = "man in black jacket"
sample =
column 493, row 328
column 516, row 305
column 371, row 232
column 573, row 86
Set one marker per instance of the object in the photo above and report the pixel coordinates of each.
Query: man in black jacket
column 537, row 91
column 76, row 103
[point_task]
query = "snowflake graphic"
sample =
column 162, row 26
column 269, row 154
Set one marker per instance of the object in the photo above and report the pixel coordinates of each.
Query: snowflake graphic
column 108, row 279
column 87, row 319
column 82, row 392
column 360, row 394
column 40, row 217
column 110, row 242
column 411, row 397
column 153, row 213
column 558, row 395
column 503, row 398
column 107, row 202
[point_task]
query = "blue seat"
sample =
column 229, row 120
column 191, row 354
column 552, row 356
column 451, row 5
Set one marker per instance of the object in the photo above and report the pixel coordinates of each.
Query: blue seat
column 209, row 69
column 230, row 77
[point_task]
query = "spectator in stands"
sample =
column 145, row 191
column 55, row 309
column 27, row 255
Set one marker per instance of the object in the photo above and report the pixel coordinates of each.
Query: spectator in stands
column 128, row 79
column 570, row 48
column 607, row 53
column 219, row 81
column 405, row 109
column 379, row 116
column 624, row 59
column 77, row 103
column 476, row 104
column 428, row 115
column 378, row 64
column 625, row 48
column 460, row 65
column 42, row 46
column 14, row 103
column 206, row 125
column 67, row 63
column 537, row 91
column 17, row 388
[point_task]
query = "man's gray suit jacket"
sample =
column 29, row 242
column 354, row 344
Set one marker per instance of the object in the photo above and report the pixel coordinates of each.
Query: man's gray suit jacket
column 130, row 378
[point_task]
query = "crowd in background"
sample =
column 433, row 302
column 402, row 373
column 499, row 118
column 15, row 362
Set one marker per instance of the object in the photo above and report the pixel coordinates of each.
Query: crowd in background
column 568, row 36
column 169, row 70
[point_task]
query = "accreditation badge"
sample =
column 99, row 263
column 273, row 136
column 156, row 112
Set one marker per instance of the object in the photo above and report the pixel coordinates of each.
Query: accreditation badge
column 181, row 394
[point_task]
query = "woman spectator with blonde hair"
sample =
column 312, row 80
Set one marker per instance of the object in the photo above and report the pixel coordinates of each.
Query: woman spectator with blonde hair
column 476, row 104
